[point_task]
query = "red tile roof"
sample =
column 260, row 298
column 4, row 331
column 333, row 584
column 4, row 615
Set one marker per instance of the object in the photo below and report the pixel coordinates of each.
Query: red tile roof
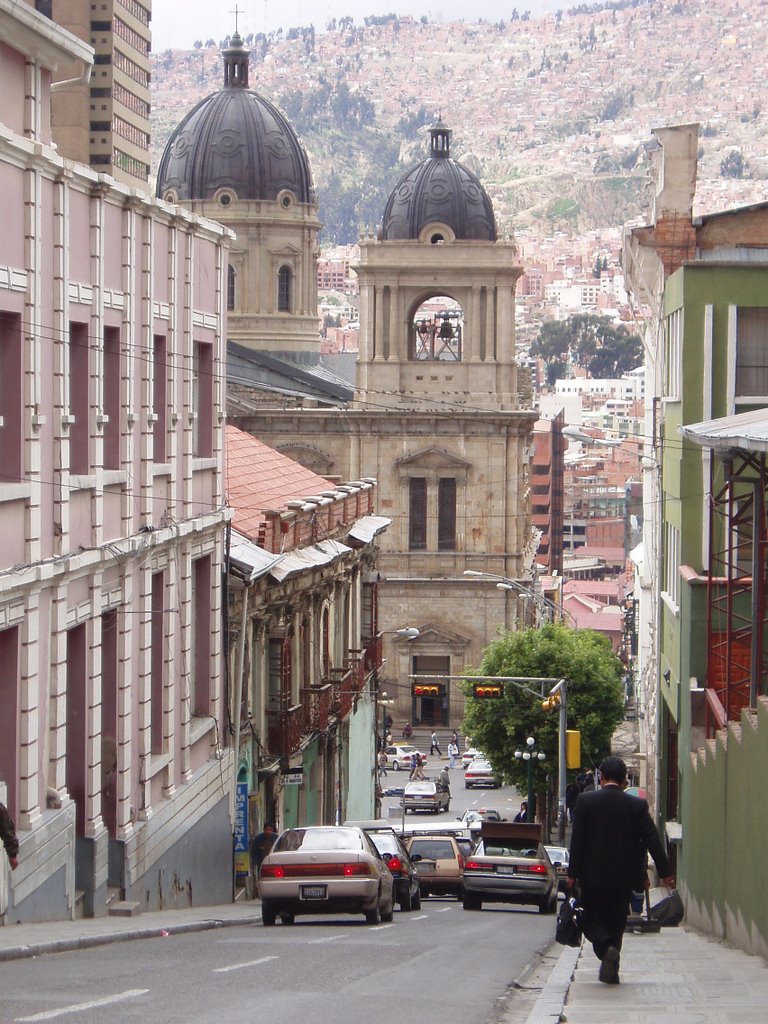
column 259, row 479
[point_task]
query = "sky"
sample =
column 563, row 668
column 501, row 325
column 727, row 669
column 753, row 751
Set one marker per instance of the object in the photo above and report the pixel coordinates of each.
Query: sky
column 178, row 23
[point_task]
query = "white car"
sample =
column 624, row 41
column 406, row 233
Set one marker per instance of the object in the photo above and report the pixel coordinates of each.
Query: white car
column 469, row 756
column 480, row 773
column 475, row 816
column 325, row 869
column 399, row 756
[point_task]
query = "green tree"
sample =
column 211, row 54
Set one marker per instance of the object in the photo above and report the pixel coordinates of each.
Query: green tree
column 591, row 341
column 595, row 697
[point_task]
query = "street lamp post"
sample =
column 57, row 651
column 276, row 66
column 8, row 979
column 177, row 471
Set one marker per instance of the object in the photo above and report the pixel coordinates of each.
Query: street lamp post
column 530, row 755
column 553, row 611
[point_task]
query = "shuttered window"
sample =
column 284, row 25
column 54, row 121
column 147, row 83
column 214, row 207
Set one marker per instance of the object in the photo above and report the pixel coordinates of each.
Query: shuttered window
column 446, row 514
column 417, row 514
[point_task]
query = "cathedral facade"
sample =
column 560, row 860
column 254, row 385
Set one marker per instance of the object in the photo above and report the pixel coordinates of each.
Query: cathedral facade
column 440, row 414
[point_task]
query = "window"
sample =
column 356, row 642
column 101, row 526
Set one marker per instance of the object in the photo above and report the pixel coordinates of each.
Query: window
column 230, row 285
column 284, row 290
column 77, row 704
column 279, row 687
column 200, row 660
column 112, row 398
column 672, row 564
column 157, row 662
column 202, row 399
column 417, row 514
column 159, row 396
column 673, row 354
column 11, row 391
column 79, row 404
column 446, row 514
column 752, row 352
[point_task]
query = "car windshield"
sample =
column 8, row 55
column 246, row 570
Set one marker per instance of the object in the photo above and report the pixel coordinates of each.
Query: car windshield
column 557, row 853
column 404, row 750
column 427, row 788
column 318, row 839
column 506, row 850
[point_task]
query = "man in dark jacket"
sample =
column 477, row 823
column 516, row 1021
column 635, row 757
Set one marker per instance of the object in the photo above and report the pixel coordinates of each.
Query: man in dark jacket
column 611, row 833
column 8, row 837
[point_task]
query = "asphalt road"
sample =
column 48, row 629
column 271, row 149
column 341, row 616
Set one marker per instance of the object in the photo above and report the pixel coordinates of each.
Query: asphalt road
column 435, row 965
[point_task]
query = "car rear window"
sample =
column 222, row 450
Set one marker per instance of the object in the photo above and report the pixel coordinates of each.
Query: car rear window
column 427, row 788
column 433, row 849
column 384, row 842
column 318, row 839
column 507, row 850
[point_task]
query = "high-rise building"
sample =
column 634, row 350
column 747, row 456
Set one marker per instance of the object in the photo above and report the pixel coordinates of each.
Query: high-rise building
column 104, row 120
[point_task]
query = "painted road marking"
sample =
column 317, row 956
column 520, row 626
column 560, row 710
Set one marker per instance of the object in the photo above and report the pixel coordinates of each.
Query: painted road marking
column 380, row 927
column 247, row 963
column 328, row 938
column 421, row 917
column 79, row 1007
column 444, row 910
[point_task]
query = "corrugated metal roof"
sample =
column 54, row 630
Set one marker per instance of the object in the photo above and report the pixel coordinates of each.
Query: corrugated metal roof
column 322, row 553
column 368, row 527
column 249, row 559
column 748, row 430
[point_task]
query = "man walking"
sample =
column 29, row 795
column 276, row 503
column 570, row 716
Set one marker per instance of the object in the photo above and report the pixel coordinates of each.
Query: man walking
column 611, row 833
column 434, row 744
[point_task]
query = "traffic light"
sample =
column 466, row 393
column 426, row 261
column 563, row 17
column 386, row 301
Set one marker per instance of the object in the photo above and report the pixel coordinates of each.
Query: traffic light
column 425, row 690
column 488, row 691
column 551, row 702
column 572, row 748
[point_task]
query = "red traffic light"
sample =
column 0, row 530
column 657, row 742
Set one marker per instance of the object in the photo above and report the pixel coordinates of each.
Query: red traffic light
column 487, row 691
column 422, row 690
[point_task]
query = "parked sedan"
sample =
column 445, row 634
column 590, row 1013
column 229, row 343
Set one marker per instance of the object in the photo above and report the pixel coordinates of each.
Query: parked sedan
column 509, row 870
column 325, row 869
column 426, row 795
column 469, row 756
column 480, row 773
column 399, row 756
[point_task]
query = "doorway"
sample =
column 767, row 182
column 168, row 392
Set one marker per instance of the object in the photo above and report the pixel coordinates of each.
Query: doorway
column 430, row 700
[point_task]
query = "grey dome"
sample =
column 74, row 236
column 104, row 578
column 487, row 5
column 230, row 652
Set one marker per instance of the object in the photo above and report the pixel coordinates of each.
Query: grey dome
column 439, row 189
column 236, row 140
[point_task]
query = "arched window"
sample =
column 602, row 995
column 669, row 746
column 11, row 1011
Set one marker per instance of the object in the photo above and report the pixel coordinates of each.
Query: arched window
column 284, row 290
column 437, row 330
column 230, row 287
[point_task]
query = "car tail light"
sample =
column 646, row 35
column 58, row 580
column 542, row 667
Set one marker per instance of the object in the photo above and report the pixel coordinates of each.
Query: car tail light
column 532, row 869
column 395, row 864
column 272, row 871
column 315, row 870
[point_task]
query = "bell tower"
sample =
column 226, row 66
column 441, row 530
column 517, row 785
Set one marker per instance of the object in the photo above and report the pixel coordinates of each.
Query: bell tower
column 437, row 302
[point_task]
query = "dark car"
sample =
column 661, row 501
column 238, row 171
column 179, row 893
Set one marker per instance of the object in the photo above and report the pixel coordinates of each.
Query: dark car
column 398, row 860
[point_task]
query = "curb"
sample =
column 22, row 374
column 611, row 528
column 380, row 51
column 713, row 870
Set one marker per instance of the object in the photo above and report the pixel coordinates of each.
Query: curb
column 106, row 938
column 549, row 1006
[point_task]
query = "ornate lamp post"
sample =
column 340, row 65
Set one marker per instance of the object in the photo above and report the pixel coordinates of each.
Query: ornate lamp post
column 530, row 755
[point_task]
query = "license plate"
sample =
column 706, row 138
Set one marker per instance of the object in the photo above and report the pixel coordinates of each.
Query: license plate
column 313, row 892
column 503, row 869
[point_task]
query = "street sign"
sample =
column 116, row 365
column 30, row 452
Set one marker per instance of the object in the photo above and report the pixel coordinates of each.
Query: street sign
column 242, row 865
column 292, row 777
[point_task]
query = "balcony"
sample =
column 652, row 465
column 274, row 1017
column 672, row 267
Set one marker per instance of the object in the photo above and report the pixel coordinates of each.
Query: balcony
column 285, row 730
column 318, row 702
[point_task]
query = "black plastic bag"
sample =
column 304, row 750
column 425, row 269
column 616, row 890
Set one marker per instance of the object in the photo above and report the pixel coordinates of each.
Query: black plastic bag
column 569, row 923
column 669, row 911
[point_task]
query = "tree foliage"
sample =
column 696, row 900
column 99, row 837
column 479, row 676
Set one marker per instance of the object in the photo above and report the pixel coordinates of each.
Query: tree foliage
column 595, row 697
column 589, row 341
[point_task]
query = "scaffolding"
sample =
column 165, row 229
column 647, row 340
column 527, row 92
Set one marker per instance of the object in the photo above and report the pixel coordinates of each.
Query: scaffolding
column 736, row 587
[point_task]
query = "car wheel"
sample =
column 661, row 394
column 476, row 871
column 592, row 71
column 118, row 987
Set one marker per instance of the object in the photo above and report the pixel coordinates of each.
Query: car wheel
column 389, row 914
column 373, row 916
column 268, row 915
column 405, row 902
column 553, row 903
column 416, row 900
column 472, row 902
column 396, row 765
column 423, row 893
column 460, row 894
column 287, row 918
column 467, row 785
column 545, row 905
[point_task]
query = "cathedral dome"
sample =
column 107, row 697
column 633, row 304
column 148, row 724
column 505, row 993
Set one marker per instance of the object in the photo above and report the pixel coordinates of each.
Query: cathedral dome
column 235, row 145
column 439, row 193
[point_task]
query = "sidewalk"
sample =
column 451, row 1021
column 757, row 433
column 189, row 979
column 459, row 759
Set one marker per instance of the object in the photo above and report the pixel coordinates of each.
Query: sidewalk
column 25, row 940
column 673, row 977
